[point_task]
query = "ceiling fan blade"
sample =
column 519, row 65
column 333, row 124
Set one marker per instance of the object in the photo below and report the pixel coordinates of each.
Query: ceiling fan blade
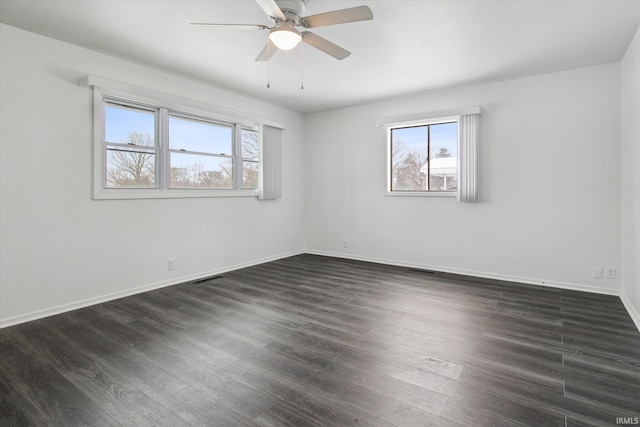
column 271, row 8
column 269, row 50
column 240, row 26
column 354, row 14
column 324, row 45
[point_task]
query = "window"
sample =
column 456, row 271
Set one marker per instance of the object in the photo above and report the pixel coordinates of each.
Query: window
column 148, row 144
column 250, row 150
column 131, row 147
column 144, row 149
column 200, row 153
column 423, row 158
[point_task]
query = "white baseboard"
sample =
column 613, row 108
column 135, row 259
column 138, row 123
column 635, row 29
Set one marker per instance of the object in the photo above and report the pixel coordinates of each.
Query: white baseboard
column 631, row 309
column 474, row 273
column 116, row 295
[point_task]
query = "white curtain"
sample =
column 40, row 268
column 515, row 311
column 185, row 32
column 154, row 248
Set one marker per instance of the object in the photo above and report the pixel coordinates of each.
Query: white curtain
column 270, row 182
column 468, row 141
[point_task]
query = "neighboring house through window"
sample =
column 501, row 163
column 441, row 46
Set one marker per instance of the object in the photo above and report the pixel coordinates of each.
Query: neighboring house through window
column 423, row 157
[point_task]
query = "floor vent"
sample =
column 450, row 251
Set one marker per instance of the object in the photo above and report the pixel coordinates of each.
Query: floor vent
column 419, row 270
column 205, row 279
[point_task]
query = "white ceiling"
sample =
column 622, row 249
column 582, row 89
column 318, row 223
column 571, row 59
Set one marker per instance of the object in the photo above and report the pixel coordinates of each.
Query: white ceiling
column 410, row 46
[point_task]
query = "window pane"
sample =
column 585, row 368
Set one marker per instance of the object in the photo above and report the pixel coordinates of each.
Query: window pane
column 197, row 135
column 194, row 171
column 249, row 174
column 444, row 157
column 128, row 125
column 250, row 148
column 135, row 168
column 409, row 158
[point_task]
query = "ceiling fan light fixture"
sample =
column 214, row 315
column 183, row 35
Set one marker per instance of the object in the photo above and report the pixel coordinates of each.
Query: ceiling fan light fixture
column 285, row 38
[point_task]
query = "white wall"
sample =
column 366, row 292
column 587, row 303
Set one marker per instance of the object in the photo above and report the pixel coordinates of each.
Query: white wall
column 58, row 247
column 550, row 183
column 630, row 71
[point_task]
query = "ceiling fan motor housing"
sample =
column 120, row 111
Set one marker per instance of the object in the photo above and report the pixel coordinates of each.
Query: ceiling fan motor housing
column 292, row 9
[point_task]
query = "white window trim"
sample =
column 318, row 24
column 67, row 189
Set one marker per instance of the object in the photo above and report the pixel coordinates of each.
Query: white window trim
column 123, row 90
column 413, row 119
column 106, row 88
column 420, row 193
column 410, row 121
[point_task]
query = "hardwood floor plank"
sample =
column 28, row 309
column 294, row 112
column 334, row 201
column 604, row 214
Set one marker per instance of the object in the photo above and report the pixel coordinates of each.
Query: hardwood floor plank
column 420, row 361
column 584, row 412
column 456, row 351
column 510, row 356
column 199, row 409
column 148, row 377
column 319, row 360
column 304, row 409
column 280, row 364
column 401, row 371
column 115, row 394
column 628, row 369
column 601, row 387
column 472, row 406
column 60, row 402
column 508, row 382
column 621, row 347
column 127, row 310
column 196, row 344
column 242, row 398
column 263, row 380
column 332, row 388
column 16, row 411
column 414, row 395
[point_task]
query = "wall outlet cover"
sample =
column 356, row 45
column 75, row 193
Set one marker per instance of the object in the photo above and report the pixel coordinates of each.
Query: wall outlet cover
column 610, row 272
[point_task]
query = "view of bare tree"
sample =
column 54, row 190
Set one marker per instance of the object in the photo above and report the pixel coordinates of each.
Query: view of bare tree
column 250, row 147
column 134, row 166
column 250, row 150
column 196, row 176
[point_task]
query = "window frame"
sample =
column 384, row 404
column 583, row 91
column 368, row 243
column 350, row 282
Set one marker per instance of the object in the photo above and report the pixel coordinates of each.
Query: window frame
column 389, row 161
column 242, row 158
column 234, row 130
column 163, row 108
column 155, row 148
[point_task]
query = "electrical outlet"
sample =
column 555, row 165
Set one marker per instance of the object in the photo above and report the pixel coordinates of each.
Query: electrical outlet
column 610, row 272
column 344, row 243
column 597, row 272
column 171, row 264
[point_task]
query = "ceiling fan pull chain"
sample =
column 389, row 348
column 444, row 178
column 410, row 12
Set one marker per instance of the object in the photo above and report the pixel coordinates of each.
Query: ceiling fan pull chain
column 301, row 66
column 268, row 66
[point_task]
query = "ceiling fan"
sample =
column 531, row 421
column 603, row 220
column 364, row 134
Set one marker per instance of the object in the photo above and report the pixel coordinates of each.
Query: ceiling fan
column 286, row 16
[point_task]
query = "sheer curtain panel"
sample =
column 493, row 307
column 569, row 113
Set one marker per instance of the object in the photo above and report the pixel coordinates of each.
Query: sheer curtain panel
column 468, row 141
column 270, row 180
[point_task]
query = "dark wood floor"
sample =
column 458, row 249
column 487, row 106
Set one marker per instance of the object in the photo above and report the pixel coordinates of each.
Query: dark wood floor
column 317, row 341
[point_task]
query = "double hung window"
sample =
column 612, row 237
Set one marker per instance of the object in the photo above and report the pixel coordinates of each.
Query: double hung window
column 423, row 157
column 200, row 153
column 130, row 146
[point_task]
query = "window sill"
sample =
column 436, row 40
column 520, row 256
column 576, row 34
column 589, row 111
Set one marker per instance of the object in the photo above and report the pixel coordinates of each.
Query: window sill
column 126, row 194
column 421, row 193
